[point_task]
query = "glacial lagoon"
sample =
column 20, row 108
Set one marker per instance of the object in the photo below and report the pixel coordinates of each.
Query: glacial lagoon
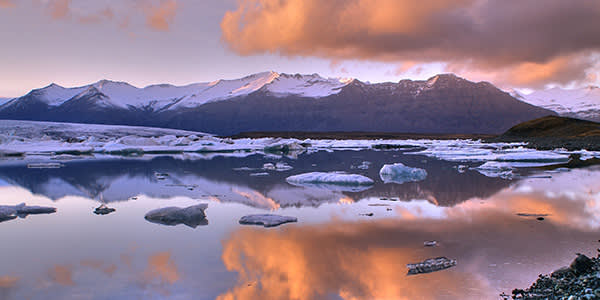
column 346, row 244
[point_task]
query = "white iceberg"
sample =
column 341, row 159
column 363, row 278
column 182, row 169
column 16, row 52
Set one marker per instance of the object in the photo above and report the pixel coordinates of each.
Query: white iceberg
column 191, row 216
column 332, row 181
column 497, row 169
column 399, row 173
column 267, row 220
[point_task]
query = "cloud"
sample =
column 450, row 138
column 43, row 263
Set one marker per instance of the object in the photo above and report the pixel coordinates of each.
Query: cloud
column 162, row 268
column 485, row 36
column 97, row 17
column 7, row 4
column 156, row 14
column 62, row 275
column 161, row 16
column 59, row 9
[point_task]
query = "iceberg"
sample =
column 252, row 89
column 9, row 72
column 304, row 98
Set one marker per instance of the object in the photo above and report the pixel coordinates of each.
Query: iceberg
column 430, row 265
column 267, row 220
column 192, row 216
column 9, row 212
column 399, row 173
column 496, row 169
column 332, row 180
column 103, row 210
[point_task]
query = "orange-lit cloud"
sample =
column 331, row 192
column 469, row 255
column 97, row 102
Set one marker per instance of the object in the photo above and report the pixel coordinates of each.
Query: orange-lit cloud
column 353, row 261
column 161, row 16
column 106, row 14
column 157, row 14
column 8, row 281
column 162, row 268
column 367, row 260
column 530, row 44
column 7, row 3
column 59, row 9
column 62, row 275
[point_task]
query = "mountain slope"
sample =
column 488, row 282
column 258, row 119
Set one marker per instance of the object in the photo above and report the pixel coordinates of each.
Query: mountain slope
column 579, row 103
column 281, row 102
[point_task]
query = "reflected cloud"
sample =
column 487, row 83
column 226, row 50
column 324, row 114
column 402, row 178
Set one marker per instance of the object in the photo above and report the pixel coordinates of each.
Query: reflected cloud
column 161, row 269
column 62, row 275
column 367, row 260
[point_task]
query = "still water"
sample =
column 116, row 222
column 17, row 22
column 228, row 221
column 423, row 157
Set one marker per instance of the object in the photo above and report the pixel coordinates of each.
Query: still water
column 334, row 251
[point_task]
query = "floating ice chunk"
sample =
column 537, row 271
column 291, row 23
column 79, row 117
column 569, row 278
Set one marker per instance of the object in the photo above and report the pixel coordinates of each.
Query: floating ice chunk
column 267, row 220
column 103, row 210
column 279, row 166
column 191, row 216
column 132, row 140
column 50, row 165
column 331, row 180
column 430, row 265
column 259, row 174
column 399, row 173
column 9, row 212
column 363, row 166
column 496, row 169
column 430, row 243
column 533, row 156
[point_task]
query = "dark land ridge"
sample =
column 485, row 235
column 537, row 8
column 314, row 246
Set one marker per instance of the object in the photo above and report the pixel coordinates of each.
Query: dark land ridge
column 553, row 132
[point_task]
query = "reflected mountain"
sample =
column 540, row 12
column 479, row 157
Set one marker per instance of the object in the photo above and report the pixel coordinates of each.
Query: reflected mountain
column 230, row 179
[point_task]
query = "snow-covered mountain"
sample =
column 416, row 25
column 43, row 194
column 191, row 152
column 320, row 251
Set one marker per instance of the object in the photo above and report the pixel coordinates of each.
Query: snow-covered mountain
column 270, row 101
column 4, row 100
column 581, row 103
column 166, row 96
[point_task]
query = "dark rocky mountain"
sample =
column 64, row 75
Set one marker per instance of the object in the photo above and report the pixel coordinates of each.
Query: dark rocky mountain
column 444, row 104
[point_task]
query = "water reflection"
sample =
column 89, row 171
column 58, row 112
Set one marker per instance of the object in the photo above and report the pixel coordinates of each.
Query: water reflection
column 333, row 252
column 496, row 249
column 228, row 179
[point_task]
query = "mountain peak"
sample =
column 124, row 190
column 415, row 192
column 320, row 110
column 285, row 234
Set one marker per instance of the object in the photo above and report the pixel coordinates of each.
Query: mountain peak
column 105, row 82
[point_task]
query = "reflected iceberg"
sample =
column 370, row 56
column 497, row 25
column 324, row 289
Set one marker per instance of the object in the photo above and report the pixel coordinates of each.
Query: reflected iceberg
column 192, row 216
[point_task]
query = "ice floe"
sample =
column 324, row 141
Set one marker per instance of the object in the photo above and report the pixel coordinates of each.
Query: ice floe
column 266, row 220
column 399, row 173
column 430, row 265
column 103, row 210
column 502, row 170
column 339, row 181
column 9, row 212
column 41, row 141
column 192, row 216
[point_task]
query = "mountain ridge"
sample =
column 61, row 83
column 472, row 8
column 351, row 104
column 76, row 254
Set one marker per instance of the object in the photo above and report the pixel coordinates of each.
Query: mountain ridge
column 271, row 101
column 582, row 103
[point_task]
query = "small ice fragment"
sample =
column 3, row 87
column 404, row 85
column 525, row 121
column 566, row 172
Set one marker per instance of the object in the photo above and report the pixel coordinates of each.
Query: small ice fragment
column 50, row 165
column 430, row 265
column 430, row 243
column 103, row 210
column 267, row 220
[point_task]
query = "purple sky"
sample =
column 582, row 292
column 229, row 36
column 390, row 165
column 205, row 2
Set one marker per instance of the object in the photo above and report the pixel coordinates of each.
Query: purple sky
column 76, row 42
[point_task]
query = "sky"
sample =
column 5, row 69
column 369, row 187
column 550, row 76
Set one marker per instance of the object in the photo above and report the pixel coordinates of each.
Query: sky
column 518, row 44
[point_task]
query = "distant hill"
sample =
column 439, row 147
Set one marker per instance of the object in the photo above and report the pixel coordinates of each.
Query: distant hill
column 556, row 132
column 269, row 101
